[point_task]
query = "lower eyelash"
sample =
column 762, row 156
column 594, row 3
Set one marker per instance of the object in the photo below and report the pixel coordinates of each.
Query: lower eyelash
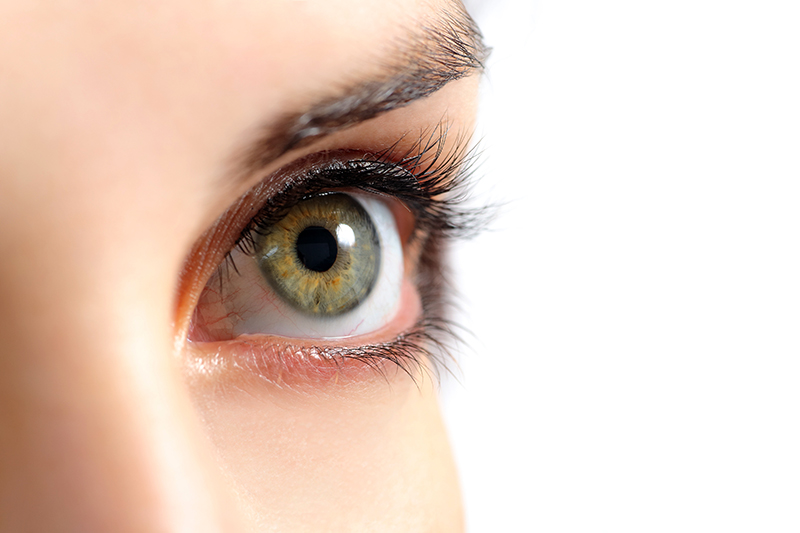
column 431, row 339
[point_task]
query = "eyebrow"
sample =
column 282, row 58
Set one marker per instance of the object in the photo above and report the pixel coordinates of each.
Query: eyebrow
column 432, row 56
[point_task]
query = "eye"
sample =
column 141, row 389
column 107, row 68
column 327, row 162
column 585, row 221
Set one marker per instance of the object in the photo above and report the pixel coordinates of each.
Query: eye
column 331, row 267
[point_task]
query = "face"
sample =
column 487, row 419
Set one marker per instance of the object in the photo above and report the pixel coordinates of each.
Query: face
column 223, row 231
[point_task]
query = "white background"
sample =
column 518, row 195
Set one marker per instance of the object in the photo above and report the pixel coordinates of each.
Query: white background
column 636, row 306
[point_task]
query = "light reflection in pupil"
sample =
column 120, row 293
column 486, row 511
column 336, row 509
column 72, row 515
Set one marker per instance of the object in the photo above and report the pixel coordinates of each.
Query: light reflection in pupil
column 346, row 236
column 316, row 248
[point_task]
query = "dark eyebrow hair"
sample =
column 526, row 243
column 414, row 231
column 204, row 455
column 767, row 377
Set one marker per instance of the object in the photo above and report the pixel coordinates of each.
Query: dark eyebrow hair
column 432, row 56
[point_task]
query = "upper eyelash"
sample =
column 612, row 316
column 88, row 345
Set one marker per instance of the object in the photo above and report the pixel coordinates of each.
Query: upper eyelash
column 431, row 181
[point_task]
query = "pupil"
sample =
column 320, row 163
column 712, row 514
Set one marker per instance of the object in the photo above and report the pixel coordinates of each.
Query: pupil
column 316, row 248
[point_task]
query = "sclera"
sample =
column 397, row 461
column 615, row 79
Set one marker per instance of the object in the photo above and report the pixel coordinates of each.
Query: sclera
column 240, row 302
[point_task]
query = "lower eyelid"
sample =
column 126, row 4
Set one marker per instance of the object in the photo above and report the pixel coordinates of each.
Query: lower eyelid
column 266, row 360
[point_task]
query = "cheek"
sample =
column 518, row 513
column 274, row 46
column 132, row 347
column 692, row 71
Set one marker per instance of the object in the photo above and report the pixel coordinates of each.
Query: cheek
column 372, row 456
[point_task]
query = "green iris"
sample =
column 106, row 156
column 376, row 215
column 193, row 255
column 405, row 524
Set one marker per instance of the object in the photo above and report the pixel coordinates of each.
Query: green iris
column 323, row 257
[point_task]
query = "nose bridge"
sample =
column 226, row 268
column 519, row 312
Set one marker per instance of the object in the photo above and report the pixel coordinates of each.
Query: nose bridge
column 97, row 432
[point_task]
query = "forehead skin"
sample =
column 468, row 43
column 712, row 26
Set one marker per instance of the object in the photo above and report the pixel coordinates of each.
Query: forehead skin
column 175, row 66
column 118, row 124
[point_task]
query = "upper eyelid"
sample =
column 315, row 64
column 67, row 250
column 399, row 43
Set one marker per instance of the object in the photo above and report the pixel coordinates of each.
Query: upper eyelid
column 424, row 176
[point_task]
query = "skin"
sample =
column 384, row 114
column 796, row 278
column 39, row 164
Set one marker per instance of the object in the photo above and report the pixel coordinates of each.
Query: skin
column 120, row 122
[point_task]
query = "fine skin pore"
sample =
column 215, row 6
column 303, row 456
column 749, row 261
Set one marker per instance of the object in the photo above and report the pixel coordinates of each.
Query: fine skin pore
column 122, row 124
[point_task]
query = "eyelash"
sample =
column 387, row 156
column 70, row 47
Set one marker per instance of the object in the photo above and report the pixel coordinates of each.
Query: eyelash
column 433, row 182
